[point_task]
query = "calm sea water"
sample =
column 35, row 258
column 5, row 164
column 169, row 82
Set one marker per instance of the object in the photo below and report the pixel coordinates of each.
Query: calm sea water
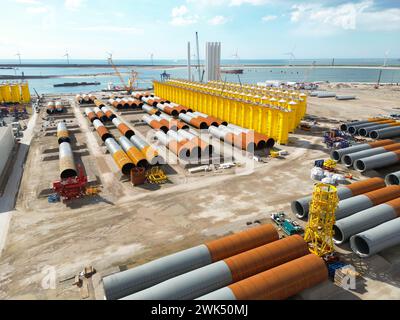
column 278, row 70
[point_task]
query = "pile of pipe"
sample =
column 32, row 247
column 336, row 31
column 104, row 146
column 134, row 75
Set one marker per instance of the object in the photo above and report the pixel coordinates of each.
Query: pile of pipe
column 54, row 107
column 85, row 98
column 164, row 105
column 375, row 128
column 125, row 103
column 367, row 214
column 242, row 138
column 201, row 120
column 250, row 265
column 368, row 156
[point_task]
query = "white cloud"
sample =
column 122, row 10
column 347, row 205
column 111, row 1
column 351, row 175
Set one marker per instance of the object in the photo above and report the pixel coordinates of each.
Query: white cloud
column 129, row 30
column 74, row 4
column 252, row 2
column 209, row 3
column 319, row 19
column 181, row 17
column 218, row 20
column 269, row 18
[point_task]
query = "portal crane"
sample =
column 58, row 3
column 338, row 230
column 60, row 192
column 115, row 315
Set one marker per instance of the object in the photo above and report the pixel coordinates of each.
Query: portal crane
column 131, row 81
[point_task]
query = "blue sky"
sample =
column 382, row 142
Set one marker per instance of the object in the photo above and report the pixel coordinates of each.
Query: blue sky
column 254, row 28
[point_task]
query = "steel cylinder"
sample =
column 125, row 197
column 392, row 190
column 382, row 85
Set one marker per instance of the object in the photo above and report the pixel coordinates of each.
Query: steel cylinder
column 100, row 114
column 101, row 130
column 385, row 133
column 67, row 164
column 348, row 159
column 366, row 131
column 144, row 276
column 344, row 126
column 62, row 133
column 123, row 128
column 137, row 157
column 365, row 219
column 393, row 178
column 338, row 154
column 108, row 112
column 301, row 206
column 148, row 151
column 377, row 161
column 90, row 114
column 120, row 157
column 354, row 129
column 213, row 276
column 374, row 240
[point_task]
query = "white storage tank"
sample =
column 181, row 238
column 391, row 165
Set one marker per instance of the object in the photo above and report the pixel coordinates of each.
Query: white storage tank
column 7, row 142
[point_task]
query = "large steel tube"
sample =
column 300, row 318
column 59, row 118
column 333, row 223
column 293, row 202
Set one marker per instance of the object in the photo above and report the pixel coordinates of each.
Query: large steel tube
column 365, row 219
column 149, row 152
column 354, row 129
column 385, row 133
column 301, row 206
column 393, row 178
column 51, row 108
column 211, row 277
column 374, row 240
column 123, row 128
column 100, row 114
column 344, row 126
column 62, row 133
column 110, row 115
column 348, row 159
column 90, row 114
column 377, row 161
column 366, row 131
column 151, row 110
column 206, row 149
column 59, row 107
column 133, row 280
column 155, row 124
column 67, row 164
column 367, row 200
column 216, row 132
column 278, row 283
column 338, row 154
column 120, row 158
column 164, row 122
column 133, row 153
column 101, row 130
column 181, row 146
column 99, row 103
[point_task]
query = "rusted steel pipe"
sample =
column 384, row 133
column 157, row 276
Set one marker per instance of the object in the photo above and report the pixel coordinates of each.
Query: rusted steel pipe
column 148, row 151
column 123, row 128
column 101, row 130
column 90, row 114
column 120, row 157
column 67, row 164
column 100, row 114
column 62, row 133
column 137, row 157
column 110, row 115
column 155, row 124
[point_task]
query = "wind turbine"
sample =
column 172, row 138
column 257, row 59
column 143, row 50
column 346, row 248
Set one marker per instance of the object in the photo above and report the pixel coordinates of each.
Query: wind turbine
column 110, row 57
column 152, row 58
column 291, row 55
column 67, row 55
column 236, row 56
column 19, row 57
column 386, row 58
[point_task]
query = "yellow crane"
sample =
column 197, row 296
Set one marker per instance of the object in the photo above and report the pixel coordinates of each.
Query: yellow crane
column 321, row 218
column 131, row 81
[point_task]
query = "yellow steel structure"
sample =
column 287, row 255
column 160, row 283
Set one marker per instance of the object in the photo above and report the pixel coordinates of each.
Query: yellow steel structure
column 15, row 93
column 6, row 92
column 25, row 93
column 321, row 218
column 269, row 111
column 156, row 175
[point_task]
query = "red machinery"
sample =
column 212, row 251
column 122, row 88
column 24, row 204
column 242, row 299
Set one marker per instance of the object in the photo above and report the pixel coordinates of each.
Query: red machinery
column 72, row 188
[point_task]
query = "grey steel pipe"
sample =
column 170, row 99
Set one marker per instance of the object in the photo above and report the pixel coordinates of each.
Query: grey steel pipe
column 62, row 133
column 338, row 154
column 344, row 97
column 133, row 152
column 301, row 206
column 121, row 159
column 163, row 138
column 374, row 240
column 124, row 283
column 393, row 178
column 367, row 200
column 67, row 164
column 326, row 94
column 216, row 132
column 348, row 159
column 385, row 133
column 151, row 155
column 377, row 161
column 222, row 273
column 365, row 219
column 240, row 129
column 344, row 126
column 365, row 131
column 354, row 129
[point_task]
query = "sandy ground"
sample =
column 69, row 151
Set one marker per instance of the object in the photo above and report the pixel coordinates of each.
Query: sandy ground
column 126, row 226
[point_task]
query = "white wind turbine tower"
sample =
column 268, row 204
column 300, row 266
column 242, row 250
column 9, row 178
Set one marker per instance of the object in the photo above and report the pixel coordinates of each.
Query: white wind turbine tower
column 67, row 55
column 291, row 55
column 110, row 57
column 386, row 58
column 236, row 56
column 19, row 57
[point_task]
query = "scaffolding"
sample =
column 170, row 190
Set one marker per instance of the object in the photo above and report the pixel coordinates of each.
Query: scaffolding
column 321, row 218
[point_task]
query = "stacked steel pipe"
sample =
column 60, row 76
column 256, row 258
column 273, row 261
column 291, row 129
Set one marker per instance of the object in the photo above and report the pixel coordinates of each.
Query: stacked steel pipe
column 98, row 103
column 214, row 276
column 124, row 283
column 347, row 125
column 100, row 114
column 51, row 108
column 206, row 148
column 393, row 178
column 278, row 283
column 181, row 140
column 338, row 154
column 110, row 115
column 380, row 131
column 148, row 151
column 151, row 110
column 177, row 147
column 67, row 163
column 85, row 98
column 59, row 107
column 101, row 130
column 196, row 121
column 301, row 206
column 377, row 161
column 354, row 129
column 156, row 125
column 62, row 133
column 120, row 157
